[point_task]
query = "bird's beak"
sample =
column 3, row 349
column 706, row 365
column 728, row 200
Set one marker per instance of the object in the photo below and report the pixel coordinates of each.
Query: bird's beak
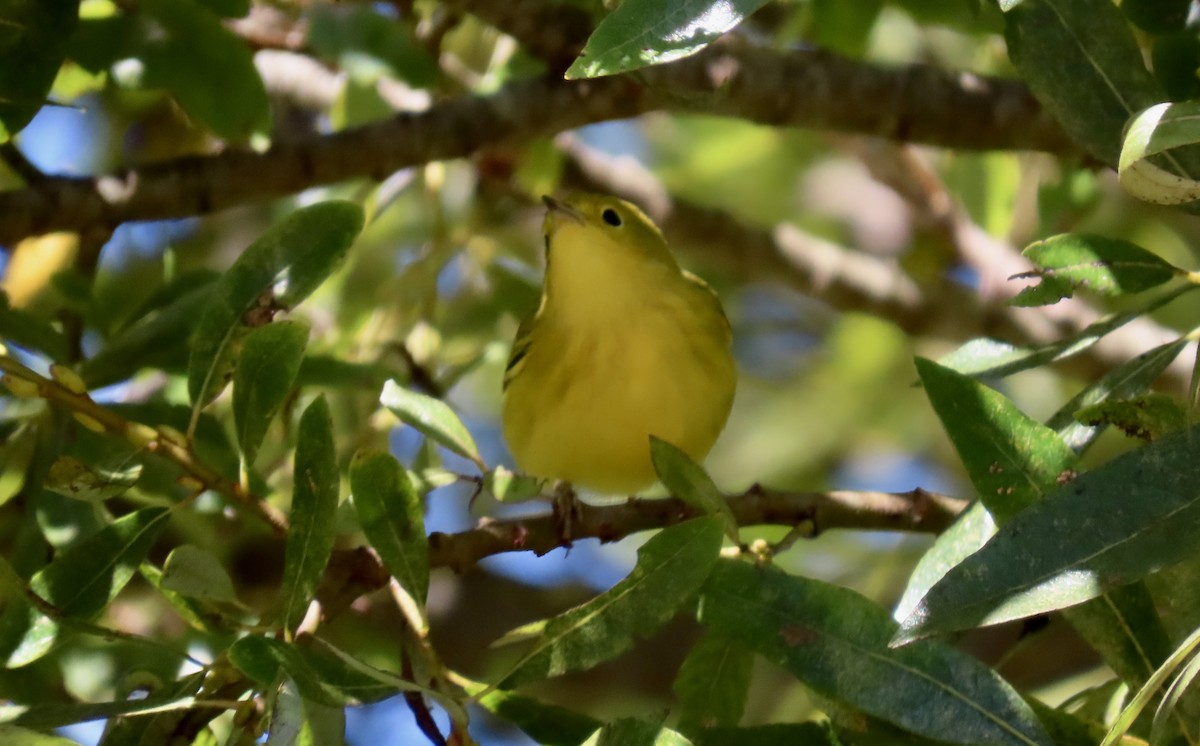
column 556, row 209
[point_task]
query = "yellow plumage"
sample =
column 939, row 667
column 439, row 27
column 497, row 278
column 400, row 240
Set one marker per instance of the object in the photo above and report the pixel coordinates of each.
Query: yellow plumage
column 624, row 345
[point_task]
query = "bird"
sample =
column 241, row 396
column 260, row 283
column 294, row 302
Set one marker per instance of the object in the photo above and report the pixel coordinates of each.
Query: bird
column 624, row 345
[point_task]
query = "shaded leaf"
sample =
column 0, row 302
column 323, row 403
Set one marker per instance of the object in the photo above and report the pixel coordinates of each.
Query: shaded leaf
column 391, row 514
column 266, row 368
column 314, row 506
column 549, row 725
column 689, row 482
column 319, row 677
column 836, row 642
column 1148, row 416
column 670, row 568
column 58, row 714
column 713, row 683
column 196, row 573
column 71, row 477
column 35, row 33
column 433, row 418
column 650, row 32
column 775, row 734
column 368, row 45
column 278, row 270
column 1105, row 266
column 30, row 331
column 633, row 732
column 1128, row 518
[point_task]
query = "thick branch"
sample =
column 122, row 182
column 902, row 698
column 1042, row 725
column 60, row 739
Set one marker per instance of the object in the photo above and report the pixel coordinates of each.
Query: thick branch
column 918, row 511
column 810, row 89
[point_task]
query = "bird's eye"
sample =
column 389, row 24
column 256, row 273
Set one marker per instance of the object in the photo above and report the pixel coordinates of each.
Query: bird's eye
column 611, row 217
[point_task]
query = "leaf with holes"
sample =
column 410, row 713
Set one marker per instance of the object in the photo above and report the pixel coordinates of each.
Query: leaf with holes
column 1106, row 266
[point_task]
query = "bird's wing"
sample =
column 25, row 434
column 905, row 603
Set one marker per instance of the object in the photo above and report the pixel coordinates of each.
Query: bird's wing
column 520, row 348
column 711, row 298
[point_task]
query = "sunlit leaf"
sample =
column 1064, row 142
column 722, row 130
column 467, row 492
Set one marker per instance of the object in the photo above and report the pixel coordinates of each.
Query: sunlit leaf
column 196, row 573
column 433, row 418
column 1105, row 266
column 266, row 369
column 391, row 514
column 688, row 481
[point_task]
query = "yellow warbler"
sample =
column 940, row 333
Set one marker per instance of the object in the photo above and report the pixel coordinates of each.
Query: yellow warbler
column 624, row 345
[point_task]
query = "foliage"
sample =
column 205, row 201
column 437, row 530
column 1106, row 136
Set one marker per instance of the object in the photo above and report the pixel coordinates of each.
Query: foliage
column 251, row 484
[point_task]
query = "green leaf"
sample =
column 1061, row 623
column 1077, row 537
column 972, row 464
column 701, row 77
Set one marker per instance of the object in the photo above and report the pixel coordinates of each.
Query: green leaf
column 177, row 696
column 1139, row 513
column 196, row 573
column 650, row 32
column 1011, row 458
column 844, row 27
column 433, row 418
column 1083, row 64
column 982, row 355
column 157, row 339
column 548, row 725
column 1148, row 416
column 689, row 482
column 314, row 507
column 15, row 735
column 633, row 732
column 266, row 368
column 228, row 8
column 1156, row 132
column 670, row 568
column 391, row 514
column 368, row 45
column 30, row 331
column 775, row 734
column 79, row 582
column 509, row 487
column 713, row 683
column 320, row 677
column 209, row 70
column 33, row 36
column 71, row 477
column 278, row 270
column 970, row 531
column 836, row 642
column 1105, row 266
column 1122, row 382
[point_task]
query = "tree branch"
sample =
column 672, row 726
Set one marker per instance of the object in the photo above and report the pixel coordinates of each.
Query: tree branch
column 918, row 510
column 804, row 88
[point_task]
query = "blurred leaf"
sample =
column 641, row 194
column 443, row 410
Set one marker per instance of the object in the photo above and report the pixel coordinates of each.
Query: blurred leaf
column 13, row 735
column 713, row 683
column 157, row 339
column 391, row 514
column 33, row 36
column 80, row 581
column 633, row 732
column 844, row 27
column 228, row 8
column 1081, row 60
column 197, row 573
column 509, row 487
column 28, row 330
column 1105, row 266
column 266, row 368
column 775, row 734
column 433, row 418
column 670, row 568
column 688, row 481
column 209, row 70
column 1156, row 131
column 193, row 611
column 836, row 642
column 320, row 677
column 58, row 714
column 1011, row 458
column 278, row 270
column 1148, row 416
column 1141, row 514
column 1122, row 382
column 549, row 725
column 650, row 32
column 314, row 506
column 368, row 45
column 71, row 477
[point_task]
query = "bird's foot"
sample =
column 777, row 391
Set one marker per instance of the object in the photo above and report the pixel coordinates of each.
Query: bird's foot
column 567, row 512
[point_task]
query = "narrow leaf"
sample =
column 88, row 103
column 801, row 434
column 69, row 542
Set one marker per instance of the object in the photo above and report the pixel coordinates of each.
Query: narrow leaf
column 266, row 368
column 981, row 355
column 713, row 683
column 314, row 506
column 71, row 477
column 650, row 32
column 548, row 725
column 1105, row 266
column 34, row 44
column 970, row 531
column 30, row 331
column 509, row 487
column 319, row 677
column 633, row 732
column 391, row 514
column 1083, row 64
column 1141, row 513
column 775, row 734
column 689, row 482
column 196, row 573
column 1156, row 131
column 836, row 642
column 277, row 271
column 670, row 568
column 433, row 418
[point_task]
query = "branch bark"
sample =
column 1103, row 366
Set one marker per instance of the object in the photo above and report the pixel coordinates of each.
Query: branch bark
column 808, row 89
